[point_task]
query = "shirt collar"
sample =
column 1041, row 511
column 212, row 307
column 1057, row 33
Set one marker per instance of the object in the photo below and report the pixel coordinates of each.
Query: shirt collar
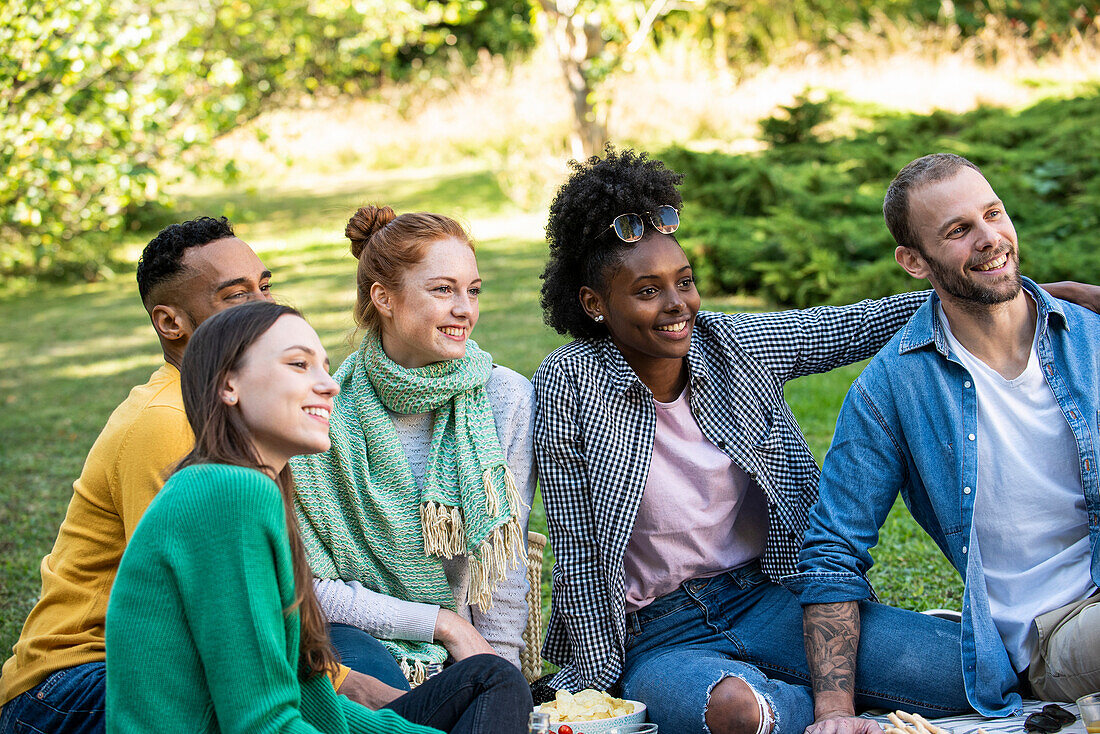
column 925, row 329
column 623, row 377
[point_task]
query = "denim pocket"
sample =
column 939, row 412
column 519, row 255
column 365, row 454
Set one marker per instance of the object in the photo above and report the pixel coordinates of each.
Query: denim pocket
column 748, row 578
column 45, row 691
column 79, row 690
column 661, row 619
column 22, row 727
column 630, row 639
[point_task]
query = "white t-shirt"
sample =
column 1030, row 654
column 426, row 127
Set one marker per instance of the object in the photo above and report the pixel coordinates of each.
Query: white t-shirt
column 1030, row 522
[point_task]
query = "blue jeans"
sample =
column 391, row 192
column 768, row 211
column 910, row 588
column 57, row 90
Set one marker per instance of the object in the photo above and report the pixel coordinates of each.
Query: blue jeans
column 740, row 624
column 364, row 654
column 483, row 694
column 69, row 700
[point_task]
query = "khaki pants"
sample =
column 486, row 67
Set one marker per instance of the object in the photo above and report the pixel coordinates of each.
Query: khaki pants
column 1067, row 664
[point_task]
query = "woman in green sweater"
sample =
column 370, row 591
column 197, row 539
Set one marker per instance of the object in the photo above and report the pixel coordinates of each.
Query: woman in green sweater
column 213, row 624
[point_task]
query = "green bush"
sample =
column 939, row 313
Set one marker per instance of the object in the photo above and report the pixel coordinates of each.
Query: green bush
column 801, row 223
column 99, row 98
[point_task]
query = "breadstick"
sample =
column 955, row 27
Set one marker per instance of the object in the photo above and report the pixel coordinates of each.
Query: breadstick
column 895, row 730
column 898, row 723
column 921, row 724
column 916, row 721
column 981, row 731
column 929, row 725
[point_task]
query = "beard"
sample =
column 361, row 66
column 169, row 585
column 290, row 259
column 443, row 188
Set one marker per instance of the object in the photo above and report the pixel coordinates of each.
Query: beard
column 962, row 287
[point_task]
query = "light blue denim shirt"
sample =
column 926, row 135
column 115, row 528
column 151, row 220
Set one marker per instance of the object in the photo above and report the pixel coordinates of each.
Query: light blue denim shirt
column 908, row 425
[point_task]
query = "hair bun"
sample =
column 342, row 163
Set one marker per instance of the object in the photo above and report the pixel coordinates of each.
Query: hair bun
column 364, row 223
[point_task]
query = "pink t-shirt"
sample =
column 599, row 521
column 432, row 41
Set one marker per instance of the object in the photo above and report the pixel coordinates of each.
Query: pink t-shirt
column 700, row 514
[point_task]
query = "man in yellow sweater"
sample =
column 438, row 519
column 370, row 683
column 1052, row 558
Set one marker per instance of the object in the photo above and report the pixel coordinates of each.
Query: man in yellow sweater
column 55, row 678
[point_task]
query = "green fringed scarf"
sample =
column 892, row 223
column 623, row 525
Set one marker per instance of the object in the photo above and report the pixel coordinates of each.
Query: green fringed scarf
column 363, row 518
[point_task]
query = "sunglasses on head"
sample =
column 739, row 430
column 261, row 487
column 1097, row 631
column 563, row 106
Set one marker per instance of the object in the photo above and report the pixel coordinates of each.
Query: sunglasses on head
column 630, row 227
column 1052, row 718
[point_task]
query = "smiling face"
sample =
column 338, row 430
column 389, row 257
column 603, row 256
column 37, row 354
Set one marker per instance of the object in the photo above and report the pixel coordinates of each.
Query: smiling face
column 430, row 317
column 968, row 244
column 649, row 304
column 219, row 275
column 284, row 392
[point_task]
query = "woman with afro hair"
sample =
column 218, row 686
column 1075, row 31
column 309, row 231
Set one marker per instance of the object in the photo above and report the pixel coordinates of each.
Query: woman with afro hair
column 677, row 482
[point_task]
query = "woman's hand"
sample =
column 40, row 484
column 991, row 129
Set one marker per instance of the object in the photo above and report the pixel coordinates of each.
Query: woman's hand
column 459, row 636
column 1082, row 294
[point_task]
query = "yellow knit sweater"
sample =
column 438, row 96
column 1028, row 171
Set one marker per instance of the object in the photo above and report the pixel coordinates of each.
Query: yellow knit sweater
column 126, row 467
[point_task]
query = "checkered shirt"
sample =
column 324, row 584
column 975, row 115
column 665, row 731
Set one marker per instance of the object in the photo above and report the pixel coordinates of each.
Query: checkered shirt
column 594, row 431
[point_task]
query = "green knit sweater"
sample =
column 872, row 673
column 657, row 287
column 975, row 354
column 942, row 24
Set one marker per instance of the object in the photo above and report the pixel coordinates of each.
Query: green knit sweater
column 196, row 636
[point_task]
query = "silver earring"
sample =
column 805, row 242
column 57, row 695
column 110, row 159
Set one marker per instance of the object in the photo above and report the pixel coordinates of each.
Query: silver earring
column 598, row 318
column 231, row 399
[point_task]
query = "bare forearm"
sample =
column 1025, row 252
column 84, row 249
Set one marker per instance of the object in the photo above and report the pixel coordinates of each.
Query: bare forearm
column 831, row 633
column 1083, row 294
column 459, row 636
column 368, row 691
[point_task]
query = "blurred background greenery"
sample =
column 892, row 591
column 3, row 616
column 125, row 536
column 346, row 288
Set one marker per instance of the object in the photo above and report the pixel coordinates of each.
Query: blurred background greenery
column 107, row 103
column 787, row 117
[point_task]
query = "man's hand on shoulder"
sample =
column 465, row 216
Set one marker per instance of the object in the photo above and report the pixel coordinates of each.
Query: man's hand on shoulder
column 368, row 691
column 840, row 723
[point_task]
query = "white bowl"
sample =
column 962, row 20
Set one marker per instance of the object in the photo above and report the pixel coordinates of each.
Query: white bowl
column 604, row 725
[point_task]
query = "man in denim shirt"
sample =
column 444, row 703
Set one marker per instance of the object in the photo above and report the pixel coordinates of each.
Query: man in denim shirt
column 983, row 413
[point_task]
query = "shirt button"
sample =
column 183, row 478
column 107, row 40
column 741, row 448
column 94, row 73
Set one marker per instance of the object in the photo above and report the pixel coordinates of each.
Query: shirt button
column 971, row 437
column 966, row 490
column 964, row 549
column 966, row 384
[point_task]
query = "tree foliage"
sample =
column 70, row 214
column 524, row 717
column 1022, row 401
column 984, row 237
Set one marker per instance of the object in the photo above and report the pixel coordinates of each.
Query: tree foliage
column 90, row 90
column 801, row 223
column 99, row 98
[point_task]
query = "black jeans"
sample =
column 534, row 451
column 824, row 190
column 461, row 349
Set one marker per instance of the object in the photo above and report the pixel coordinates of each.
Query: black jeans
column 482, row 694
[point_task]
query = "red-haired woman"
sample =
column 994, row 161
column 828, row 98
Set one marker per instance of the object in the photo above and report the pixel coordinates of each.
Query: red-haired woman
column 414, row 522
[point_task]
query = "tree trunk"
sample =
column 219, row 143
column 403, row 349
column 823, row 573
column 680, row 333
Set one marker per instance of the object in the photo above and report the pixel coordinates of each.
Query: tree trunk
column 589, row 133
column 575, row 44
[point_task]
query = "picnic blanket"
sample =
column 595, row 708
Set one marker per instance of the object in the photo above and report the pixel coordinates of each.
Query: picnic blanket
column 970, row 723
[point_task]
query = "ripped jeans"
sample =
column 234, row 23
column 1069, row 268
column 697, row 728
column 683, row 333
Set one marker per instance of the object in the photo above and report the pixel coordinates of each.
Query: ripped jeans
column 740, row 624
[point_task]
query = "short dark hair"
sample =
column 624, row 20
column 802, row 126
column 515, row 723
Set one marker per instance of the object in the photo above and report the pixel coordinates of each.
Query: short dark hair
column 924, row 170
column 162, row 259
column 582, row 250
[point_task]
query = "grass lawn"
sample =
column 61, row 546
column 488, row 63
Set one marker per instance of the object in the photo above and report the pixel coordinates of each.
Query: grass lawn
column 69, row 355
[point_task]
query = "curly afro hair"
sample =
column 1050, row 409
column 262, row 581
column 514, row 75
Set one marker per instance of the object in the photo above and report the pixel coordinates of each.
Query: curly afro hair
column 597, row 191
column 162, row 259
